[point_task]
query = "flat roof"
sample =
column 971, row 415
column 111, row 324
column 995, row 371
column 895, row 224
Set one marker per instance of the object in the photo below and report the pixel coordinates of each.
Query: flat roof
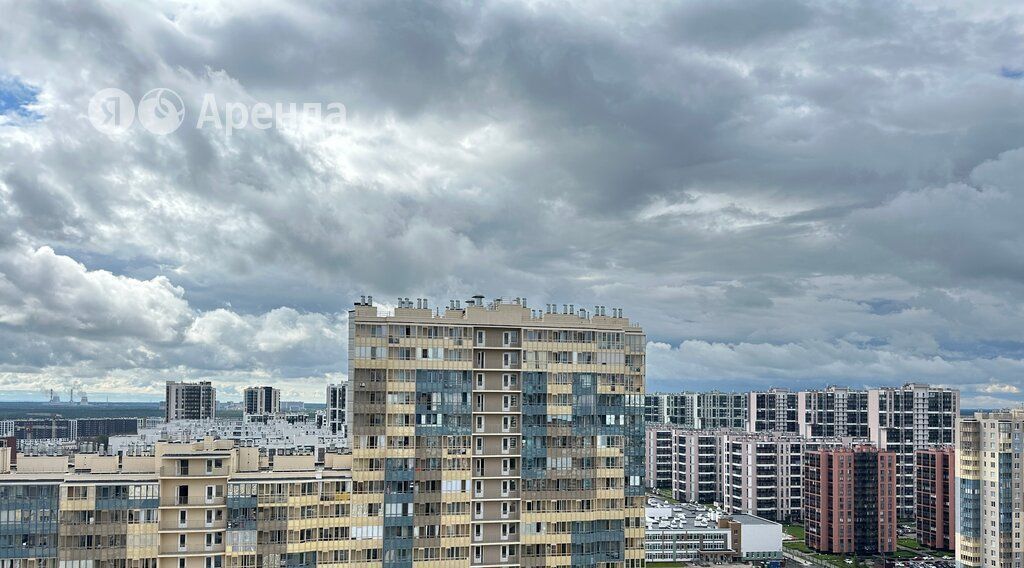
column 745, row 519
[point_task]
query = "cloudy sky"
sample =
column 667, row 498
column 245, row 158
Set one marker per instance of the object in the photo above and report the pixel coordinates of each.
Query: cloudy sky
column 782, row 193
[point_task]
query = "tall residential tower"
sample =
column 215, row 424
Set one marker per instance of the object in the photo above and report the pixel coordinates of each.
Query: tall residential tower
column 191, row 401
column 498, row 435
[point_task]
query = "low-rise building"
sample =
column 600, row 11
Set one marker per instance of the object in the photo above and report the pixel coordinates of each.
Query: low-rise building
column 754, row 539
column 685, row 533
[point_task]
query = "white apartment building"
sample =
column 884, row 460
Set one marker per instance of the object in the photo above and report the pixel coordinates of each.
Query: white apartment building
column 900, row 419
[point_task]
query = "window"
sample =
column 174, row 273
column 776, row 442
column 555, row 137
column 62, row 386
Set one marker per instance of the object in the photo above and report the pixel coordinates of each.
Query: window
column 481, row 337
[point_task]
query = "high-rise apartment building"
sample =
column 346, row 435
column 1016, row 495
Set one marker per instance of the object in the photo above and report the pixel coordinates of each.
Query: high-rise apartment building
column 774, row 410
column 720, row 410
column 697, row 409
column 989, row 496
column 850, row 500
column 497, row 435
column 676, row 409
column 655, row 411
column 659, row 458
column 262, row 400
column 901, row 419
column 906, row 419
column 337, row 408
column 833, row 411
column 190, row 401
column 935, row 482
column 754, row 473
column 762, row 474
column 197, row 505
column 689, row 460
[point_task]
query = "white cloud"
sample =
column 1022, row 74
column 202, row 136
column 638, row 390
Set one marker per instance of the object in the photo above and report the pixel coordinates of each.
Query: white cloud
column 782, row 191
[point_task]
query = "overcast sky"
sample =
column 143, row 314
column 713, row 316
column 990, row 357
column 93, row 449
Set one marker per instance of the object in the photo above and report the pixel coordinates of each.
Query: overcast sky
column 782, row 193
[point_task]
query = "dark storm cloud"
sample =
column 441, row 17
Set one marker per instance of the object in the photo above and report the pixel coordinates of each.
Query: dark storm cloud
column 779, row 191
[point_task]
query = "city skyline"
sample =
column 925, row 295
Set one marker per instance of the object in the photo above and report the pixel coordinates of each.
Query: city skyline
column 782, row 192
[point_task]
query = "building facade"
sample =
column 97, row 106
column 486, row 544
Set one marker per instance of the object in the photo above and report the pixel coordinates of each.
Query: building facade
column 202, row 505
column 935, row 482
column 270, row 434
column 762, row 474
column 261, row 400
column 530, row 422
column 685, row 533
column 909, row 418
column 659, row 458
column 57, row 428
column 775, row 410
column 753, row 473
column 901, row 419
column 989, row 461
column 850, row 500
column 190, row 401
column 337, row 408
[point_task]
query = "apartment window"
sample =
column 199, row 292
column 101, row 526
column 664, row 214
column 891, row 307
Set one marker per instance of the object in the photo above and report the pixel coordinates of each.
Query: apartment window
column 479, row 380
column 181, row 542
column 481, row 337
column 213, row 539
column 182, row 518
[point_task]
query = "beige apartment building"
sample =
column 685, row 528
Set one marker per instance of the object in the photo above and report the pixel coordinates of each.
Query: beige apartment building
column 497, row 435
column 988, row 496
column 198, row 505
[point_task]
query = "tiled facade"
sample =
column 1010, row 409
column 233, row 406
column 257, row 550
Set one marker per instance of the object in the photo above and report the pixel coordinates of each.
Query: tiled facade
column 850, row 500
column 498, row 435
column 935, row 481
